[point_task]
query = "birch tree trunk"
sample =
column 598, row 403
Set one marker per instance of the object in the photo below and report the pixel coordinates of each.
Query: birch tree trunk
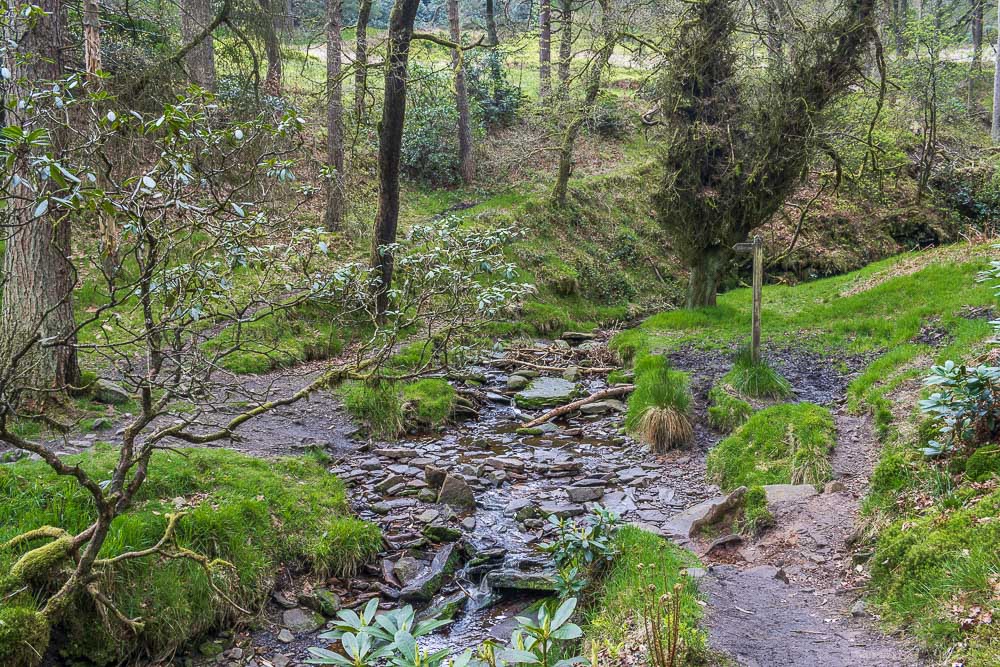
column 390, row 145
column 466, row 164
column 334, row 115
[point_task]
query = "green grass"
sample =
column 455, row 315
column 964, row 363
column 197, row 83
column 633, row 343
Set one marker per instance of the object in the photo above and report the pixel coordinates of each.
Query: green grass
column 647, row 567
column 430, row 401
column 929, row 573
column 257, row 515
column 778, row 445
column 388, row 409
column 725, row 411
column 755, row 379
column 756, row 515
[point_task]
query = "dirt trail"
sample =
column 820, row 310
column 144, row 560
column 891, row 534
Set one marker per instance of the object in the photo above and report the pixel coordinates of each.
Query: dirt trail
column 791, row 597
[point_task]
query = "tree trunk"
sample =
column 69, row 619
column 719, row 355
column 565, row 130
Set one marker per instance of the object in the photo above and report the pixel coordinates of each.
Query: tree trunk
column 565, row 47
column 466, row 165
column 901, row 9
column 37, row 294
column 597, row 67
column 995, row 132
column 491, row 24
column 545, row 49
column 196, row 15
column 272, row 48
column 91, row 38
column 977, row 51
column 390, row 144
column 775, row 34
column 361, row 59
column 706, row 274
column 334, row 116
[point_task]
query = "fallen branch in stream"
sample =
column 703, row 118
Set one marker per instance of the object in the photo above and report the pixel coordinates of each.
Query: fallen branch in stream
column 570, row 407
column 554, row 369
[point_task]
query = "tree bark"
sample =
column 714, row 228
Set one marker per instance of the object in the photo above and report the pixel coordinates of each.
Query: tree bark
column 196, row 15
column 545, row 49
column 334, row 115
column 272, row 48
column 37, row 294
column 491, row 24
column 565, row 47
column 466, row 164
column 361, row 59
column 901, row 9
column 995, row 131
column 390, row 145
column 91, row 38
column 706, row 274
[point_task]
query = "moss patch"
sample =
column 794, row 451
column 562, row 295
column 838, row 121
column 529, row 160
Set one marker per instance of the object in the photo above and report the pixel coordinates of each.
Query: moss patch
column 24, row 636
column 772, row 445
column 429, row 401
column 253, row 514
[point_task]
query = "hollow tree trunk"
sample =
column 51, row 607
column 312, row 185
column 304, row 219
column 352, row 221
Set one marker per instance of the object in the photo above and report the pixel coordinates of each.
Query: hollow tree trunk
column 466, row 165
column 196, row 15
column 37, row 294
column 272, row 46
column 390, row 145
column 706, row 274
column 565, row 46
column 545, row 49
column 491, row 24
column 361, row 59
column 91, row 38
column 334, row 116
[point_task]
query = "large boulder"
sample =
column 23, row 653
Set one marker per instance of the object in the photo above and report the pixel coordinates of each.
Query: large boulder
column 456, row 492
column 426, row 586
column 109, row 393
column 547, row 392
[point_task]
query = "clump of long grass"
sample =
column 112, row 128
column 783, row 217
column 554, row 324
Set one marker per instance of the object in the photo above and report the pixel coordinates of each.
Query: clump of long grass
column 660, row 407
column 757, row 380
column 726, row 412
column 810, row 464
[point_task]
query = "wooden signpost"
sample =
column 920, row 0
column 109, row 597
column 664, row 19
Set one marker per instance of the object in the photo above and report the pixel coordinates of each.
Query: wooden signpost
column 757, row 248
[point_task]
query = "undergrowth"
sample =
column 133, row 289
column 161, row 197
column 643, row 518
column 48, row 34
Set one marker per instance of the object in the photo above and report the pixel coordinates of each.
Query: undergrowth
column 256, row 515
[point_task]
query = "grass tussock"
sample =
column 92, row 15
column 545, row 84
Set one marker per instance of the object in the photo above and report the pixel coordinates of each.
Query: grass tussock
column 659, row 409
column 776, row 444
column 756, row 380
column 255, row 515
column 389, row 409
column 725, row 411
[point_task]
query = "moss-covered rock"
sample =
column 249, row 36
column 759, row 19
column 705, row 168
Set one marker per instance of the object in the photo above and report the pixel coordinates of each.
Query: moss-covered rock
column 983, row 464
column 24, row 636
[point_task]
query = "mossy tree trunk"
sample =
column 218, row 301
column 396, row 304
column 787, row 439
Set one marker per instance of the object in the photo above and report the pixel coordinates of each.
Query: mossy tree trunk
column 361, row 59
column 706, row 275
column 269, row 22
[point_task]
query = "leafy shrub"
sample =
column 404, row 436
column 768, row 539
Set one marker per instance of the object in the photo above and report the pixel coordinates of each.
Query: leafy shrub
column 377, row 405
column 773, row 444
column 659, row 408
column 430, row 135
column 726, row 412
column 757, row 380
column 497, row 98
column 582, row 549
column 239, row 95
column 967, row 407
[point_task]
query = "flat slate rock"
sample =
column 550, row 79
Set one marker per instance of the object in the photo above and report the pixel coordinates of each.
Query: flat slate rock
column 546, row 392
column 780, row 493
column 679, row 525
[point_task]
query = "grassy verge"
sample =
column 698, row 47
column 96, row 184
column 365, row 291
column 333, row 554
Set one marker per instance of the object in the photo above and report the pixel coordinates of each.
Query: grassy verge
column 787, row 443
column 255, row 515
column 647, row 567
